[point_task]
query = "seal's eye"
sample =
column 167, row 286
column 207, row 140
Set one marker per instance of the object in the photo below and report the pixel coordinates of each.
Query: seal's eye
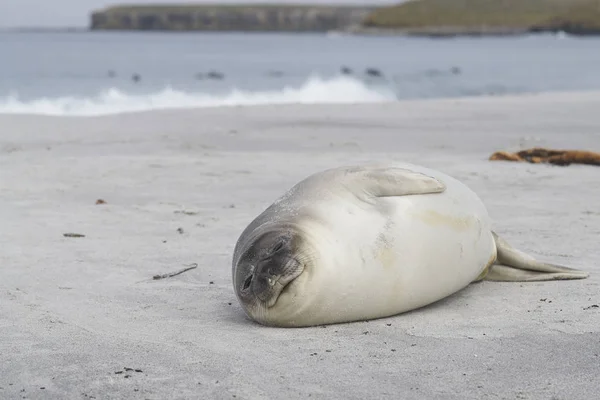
column 247, row 283
column 278, row 247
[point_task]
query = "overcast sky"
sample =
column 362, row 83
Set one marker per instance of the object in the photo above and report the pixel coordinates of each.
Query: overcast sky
column 75, row 13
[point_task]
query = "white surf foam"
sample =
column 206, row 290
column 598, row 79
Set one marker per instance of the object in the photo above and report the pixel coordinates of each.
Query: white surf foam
column 113, row 101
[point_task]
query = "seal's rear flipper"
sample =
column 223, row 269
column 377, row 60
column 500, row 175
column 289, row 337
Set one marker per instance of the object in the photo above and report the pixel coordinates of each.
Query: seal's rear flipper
column 503, row 273
column 515, row 266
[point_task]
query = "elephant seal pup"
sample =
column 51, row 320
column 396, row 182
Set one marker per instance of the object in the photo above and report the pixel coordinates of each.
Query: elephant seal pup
column 365, row 242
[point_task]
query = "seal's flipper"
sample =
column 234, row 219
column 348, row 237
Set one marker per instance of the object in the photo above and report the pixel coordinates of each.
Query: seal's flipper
column 503, row 273
column 391, row 181
column 513, row 265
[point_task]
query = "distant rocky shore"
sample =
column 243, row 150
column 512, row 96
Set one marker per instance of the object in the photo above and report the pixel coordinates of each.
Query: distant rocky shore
column 434, row 18
column 229, row 18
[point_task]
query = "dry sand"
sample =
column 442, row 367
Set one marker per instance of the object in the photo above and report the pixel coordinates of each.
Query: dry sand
column 74, row 312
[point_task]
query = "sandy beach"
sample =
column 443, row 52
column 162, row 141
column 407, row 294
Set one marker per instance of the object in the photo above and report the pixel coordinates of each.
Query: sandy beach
column 83, row 318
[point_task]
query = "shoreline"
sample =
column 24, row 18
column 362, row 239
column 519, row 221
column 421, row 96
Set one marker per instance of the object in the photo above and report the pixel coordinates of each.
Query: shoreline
column 430, row 33
column 451, row 31
column 542, row 95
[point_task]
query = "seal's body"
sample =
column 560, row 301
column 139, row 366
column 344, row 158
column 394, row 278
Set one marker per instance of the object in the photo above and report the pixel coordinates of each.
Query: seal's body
column 364, row 242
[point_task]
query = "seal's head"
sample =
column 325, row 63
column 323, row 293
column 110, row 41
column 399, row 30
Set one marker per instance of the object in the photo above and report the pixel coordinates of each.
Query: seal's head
column 265, row 271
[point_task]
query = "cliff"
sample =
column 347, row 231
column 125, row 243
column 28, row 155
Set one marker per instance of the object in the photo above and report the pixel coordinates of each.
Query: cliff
column 455, row 17
column 229, row 18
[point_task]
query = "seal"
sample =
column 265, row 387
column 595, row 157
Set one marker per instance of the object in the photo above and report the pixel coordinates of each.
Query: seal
column 371, row 241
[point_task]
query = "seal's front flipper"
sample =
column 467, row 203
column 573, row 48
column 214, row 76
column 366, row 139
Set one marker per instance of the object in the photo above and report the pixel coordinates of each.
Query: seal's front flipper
column 393, row 181
column 515, row 266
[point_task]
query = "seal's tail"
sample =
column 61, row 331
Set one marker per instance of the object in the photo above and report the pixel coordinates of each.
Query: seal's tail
column 513, row 265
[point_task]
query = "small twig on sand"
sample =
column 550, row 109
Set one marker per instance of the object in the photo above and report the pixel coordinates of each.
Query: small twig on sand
column 172, row 274
column 74, row 235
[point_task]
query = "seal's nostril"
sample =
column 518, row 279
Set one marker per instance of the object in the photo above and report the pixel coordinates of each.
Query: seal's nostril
column 247, row 282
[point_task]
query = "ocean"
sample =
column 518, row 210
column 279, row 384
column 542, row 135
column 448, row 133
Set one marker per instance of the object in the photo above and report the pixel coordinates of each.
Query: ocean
column 99, row 73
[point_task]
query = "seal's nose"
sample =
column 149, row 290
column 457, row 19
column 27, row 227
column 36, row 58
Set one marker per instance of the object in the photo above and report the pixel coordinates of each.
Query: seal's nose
column 263, row 282
column 264, row 279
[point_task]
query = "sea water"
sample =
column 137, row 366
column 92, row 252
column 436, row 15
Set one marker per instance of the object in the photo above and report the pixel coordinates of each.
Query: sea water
column 97, row 73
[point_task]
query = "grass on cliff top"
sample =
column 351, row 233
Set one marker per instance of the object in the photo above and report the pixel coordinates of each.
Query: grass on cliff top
column 493, row 13
column 171, row 8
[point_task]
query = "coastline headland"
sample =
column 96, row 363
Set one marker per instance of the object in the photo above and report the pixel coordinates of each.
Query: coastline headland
column 413, row 17
column 485, row 17
column 280, row 18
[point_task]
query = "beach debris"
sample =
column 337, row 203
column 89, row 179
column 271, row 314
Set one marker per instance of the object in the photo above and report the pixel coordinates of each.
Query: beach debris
column 132, row 369
column 127, row 371
column 592, row 306
column 185, row 212
column 100, row 201
column 172, row 274
column 180, row 231
column 538, row 155
column 73, row 235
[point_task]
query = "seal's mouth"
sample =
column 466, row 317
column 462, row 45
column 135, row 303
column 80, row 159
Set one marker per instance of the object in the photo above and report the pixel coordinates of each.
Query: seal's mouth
column 277, row 290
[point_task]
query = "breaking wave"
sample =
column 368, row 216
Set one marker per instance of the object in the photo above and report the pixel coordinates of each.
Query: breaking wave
column 315, row 90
